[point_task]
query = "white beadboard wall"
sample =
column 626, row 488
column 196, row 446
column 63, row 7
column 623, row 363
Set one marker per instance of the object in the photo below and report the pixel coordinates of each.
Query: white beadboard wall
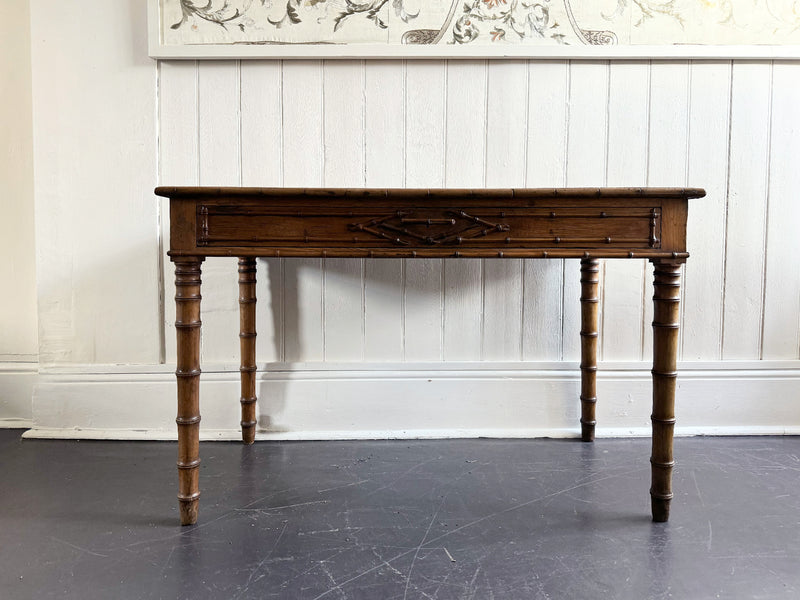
column 731, row 128
column 406, row 348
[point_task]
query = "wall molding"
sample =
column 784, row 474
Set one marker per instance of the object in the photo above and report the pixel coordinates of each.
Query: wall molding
column 416, row 400
column 386, row 52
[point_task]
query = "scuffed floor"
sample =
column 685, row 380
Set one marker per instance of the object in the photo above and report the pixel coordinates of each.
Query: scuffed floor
column 472, row 519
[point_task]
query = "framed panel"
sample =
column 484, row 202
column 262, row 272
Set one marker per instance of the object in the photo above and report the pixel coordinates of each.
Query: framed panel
column 475, row 28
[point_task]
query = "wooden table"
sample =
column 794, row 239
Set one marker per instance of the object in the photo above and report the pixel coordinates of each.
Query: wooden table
column 588, row 224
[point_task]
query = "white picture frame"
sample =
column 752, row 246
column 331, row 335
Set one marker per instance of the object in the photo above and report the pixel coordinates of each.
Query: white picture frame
column 159, row 48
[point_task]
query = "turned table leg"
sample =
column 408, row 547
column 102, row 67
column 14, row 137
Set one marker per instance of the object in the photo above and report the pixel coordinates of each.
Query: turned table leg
column 590, row 268
column 666, row 299
column 247, row 344
column 187, row 326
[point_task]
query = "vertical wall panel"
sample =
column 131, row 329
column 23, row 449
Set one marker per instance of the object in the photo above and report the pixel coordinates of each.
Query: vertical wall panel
column 465, row 148
column 747, row 202
column 261, row 123
column 219, row 149
column 507, row 124
column 343, row 101
column 303, row 167
column 587, row 124
column 669, row 123
column 384, row 148
column 178, row 165
column 781, row 340
column 548, row 114
column 18, row 320
column 549, row 123
column 262, row 165
column 546, row 151
column 383, row 309
column 463, row 309
column 302, row 123
column 219, row 152
column 384, row 123
column 465, row 142
column 344, row 167
column 95, row 166
column 424, row 159
column 502, row 309
column 709, row 124
column 507, row 137
column 667, row 155
column 623, row 280
column 425, row 118
column 586, row 166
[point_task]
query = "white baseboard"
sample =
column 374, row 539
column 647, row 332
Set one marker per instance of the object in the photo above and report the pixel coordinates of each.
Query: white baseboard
column 233, row 435
column 17, row 381
column 430, row 400
column 16, row 423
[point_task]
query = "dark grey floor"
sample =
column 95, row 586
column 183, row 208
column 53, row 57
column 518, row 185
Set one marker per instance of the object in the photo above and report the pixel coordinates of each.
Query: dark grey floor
column 477, row 519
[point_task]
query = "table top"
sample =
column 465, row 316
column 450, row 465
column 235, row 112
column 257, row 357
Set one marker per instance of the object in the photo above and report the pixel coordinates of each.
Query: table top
column 620, row 193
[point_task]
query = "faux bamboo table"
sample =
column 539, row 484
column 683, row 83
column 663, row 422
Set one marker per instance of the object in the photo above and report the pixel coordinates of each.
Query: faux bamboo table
column 589, row 224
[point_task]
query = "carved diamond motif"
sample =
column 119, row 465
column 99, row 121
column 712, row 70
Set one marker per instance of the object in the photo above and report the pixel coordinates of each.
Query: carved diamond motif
column 446, row 228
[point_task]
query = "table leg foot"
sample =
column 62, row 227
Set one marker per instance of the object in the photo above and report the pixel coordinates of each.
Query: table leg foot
column 189, row 509
column 660, row 509
column 248, row 433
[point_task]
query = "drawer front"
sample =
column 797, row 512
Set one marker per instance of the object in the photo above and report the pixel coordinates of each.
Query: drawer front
column 220, row 225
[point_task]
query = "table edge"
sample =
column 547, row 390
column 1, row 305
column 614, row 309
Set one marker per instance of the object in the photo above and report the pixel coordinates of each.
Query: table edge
column 419, row 193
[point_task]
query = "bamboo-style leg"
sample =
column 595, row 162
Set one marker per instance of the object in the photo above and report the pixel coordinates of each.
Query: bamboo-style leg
column 247, row 344
column 666, row 300
column 187, row 326
column 590, row 267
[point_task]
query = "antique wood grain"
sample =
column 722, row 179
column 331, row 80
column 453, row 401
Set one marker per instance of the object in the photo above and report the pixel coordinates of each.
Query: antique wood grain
column 584, row 223
column 666, row 311
column 187, row 326
column 612, row 223
column 590, row 268
column 247, row 343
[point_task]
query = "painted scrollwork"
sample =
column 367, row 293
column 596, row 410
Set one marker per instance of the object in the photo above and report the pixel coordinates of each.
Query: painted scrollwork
column 479, row 22
column 504, row 19
column 588, row 36
column 240, row 13
column 421, row 36
column 495, row 20
column 511, row 21
column 222, row 14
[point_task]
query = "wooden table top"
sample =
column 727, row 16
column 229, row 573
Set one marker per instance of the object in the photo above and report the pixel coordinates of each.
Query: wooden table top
column 420, row 193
